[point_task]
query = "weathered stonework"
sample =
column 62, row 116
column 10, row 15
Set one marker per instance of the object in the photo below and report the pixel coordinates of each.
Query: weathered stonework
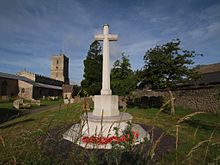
column 203, row 98
column 199, row 99
column 60, row 68
column 25, row 90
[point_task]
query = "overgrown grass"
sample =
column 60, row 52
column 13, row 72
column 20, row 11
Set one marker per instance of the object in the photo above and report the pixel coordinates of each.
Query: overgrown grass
column 19, row 138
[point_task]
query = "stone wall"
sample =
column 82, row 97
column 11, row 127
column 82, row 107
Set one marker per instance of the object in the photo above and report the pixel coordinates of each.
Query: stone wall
column 40, row 78
column 206, row 98
column 26, row 74
column 67, row 95
column 60, row 68
column 25, row 90
column 199, row 99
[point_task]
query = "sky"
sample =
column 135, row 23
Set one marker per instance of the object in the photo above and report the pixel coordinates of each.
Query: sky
column 31, row 31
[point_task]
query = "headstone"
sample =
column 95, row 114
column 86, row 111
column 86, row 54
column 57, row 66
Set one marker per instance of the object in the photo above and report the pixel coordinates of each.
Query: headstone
column 86, row 104
column 26, row 106
column 123, row 102
column 17, row 103
column 66, row 101
column 71, row 101
column 35, row 102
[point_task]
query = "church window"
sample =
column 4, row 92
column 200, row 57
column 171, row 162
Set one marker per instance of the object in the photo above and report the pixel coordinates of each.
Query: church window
column 57, row 61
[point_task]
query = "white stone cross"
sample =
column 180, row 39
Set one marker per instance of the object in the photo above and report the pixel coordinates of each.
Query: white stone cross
column 106, row 37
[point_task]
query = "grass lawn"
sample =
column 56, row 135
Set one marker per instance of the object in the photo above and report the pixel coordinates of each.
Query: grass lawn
column 9, row 105
column 8, row 112
column 19, row 138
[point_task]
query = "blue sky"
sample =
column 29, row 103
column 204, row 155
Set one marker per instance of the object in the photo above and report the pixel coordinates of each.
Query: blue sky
column 33, row 30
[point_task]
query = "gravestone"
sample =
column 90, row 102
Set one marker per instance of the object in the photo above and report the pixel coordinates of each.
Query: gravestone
column 35, row 102
column 66, row 101
column 19, row 104
column 105, row 116
column 71, row 101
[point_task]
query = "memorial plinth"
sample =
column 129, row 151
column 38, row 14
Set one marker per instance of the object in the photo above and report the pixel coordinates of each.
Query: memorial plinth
column 105, row 116
column 106, row 105
column 103, row 126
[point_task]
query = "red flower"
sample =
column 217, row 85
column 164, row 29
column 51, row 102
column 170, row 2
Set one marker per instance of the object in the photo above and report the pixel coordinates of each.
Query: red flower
column 106, row 140
column 122, row 139
column 136, row 134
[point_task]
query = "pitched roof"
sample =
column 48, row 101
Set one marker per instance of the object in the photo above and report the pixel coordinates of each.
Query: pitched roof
column 67, row 88
column 210, row 78
column 36, row 84
column 15, row 77
column 209, row 68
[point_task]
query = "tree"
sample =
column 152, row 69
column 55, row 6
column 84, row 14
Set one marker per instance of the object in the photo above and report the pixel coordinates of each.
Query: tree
column 93, row 70
column 76, row 89
column 167, row 66
column 122, row 77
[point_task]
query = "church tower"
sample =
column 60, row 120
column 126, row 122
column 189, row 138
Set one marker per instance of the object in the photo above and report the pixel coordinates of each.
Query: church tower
column 60, row 68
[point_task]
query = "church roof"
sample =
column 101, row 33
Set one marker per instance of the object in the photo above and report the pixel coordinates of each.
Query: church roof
column 41, row 85
column 210, row 78
column 12, row 76
column 67, row 88
column 29, row 81
column 209, row 68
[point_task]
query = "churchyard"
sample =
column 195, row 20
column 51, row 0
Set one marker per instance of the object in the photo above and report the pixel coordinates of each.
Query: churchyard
column 8, row 111
column 37, row 139
column 101, row 133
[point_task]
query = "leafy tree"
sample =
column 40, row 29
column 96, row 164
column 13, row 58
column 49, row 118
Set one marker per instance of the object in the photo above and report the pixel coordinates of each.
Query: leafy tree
column 93, row 70
column 122, row 77
column 139, row 74
column 76, row 89
column 167, row 66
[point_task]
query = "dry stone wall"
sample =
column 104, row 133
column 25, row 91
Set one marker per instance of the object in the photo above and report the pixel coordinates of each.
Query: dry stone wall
column 199, row 99
column 206, row 98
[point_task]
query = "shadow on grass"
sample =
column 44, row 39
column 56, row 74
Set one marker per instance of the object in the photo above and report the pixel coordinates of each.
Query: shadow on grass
column 145, row 102
column 203, row 124
column 15, row 123
column 8, row 114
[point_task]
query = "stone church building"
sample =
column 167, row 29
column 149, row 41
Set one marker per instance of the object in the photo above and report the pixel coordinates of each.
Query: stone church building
column 34, row 86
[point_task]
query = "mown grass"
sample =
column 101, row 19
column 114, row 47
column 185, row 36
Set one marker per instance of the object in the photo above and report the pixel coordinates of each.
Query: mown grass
column 8, row 112
column 19, row 138
column 9, row 104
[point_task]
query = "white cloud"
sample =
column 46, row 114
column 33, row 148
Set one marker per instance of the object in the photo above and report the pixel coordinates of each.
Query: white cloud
column 139, row 48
